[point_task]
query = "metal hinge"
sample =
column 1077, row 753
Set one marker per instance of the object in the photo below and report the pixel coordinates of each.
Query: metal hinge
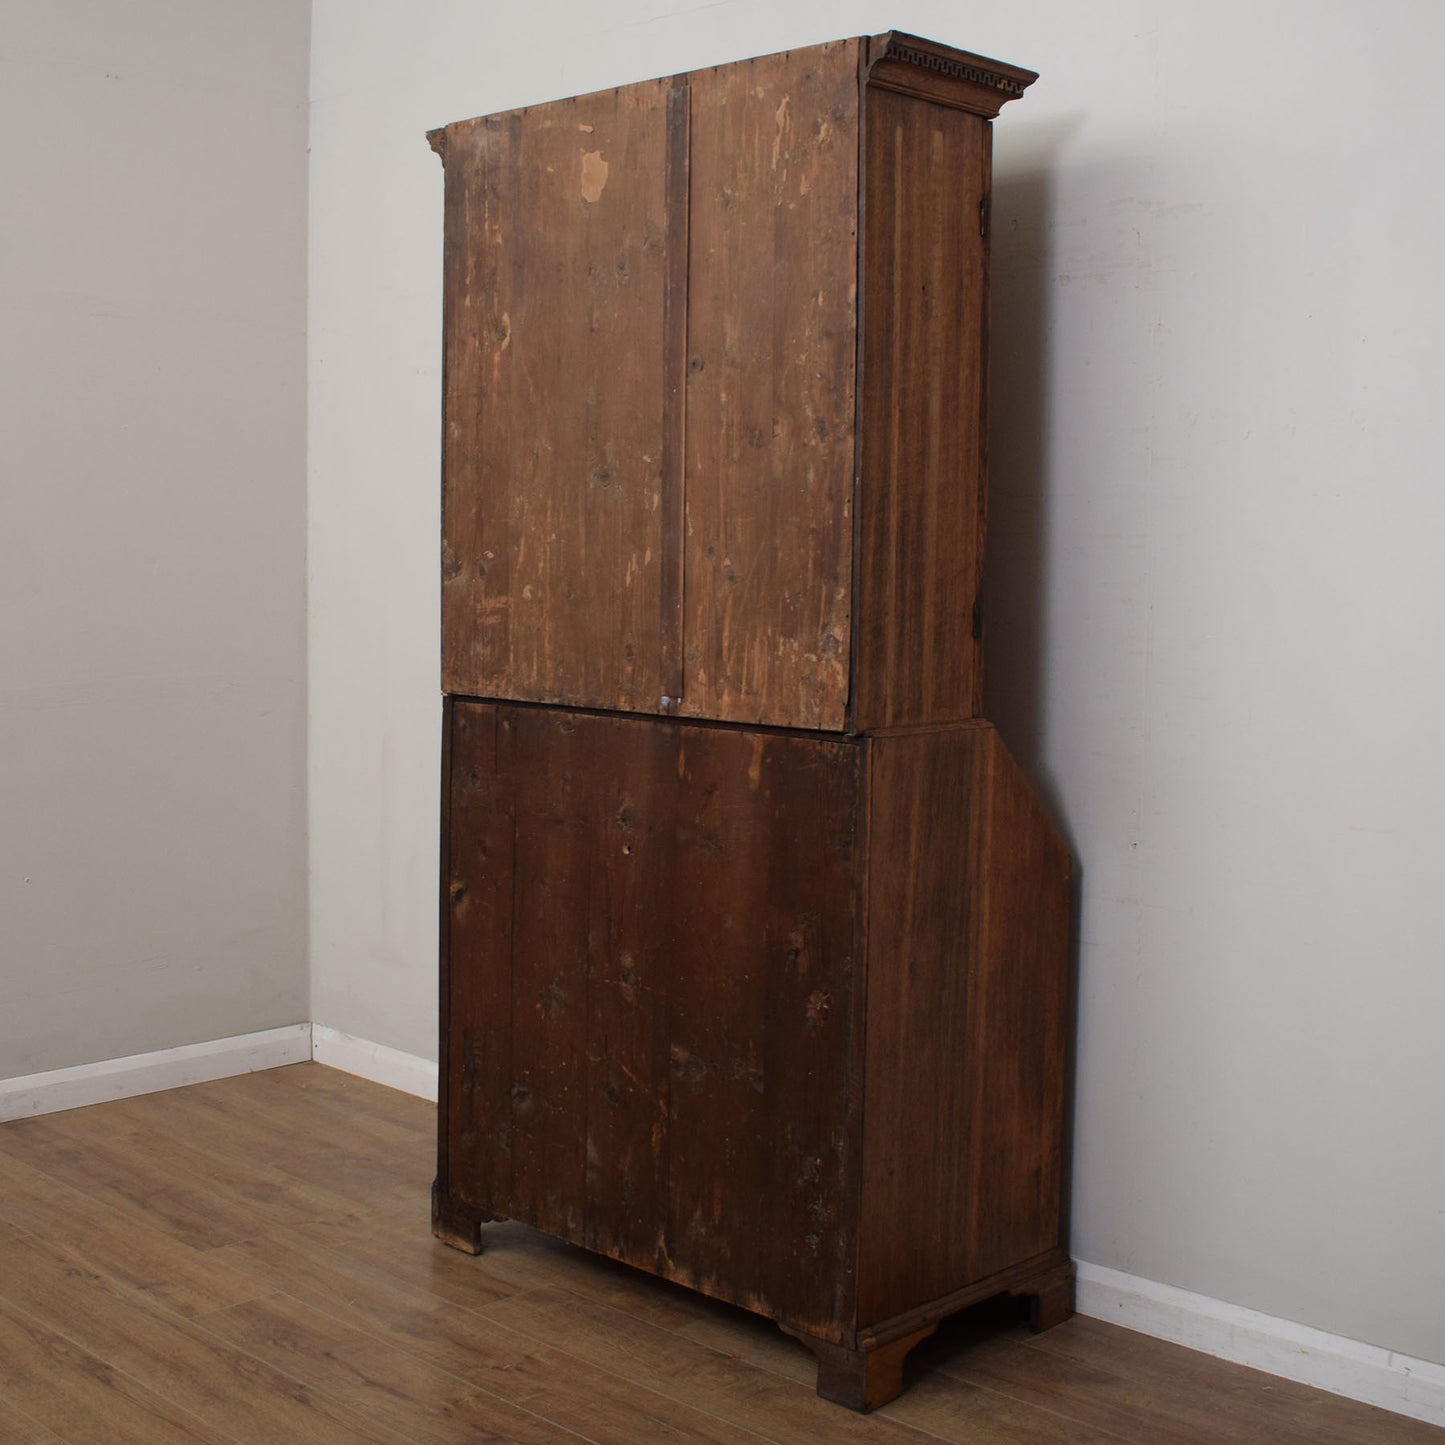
column 983, row 216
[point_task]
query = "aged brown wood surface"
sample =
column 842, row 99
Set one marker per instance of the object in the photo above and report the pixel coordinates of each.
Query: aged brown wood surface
column 968, row 907
column 630, row 866
column 921, row 493
column 763, row 1094
column 1018, row 1034
column 674, row 408
column 772, row 319
column 475, row 1074
column 557, row 260
column 666, row 493
column 652, row 1020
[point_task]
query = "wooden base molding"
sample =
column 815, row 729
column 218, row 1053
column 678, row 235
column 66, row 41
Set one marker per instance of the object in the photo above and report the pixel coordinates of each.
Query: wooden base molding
column 863, row 1371
column 859, row 1377
column 1050, row 1296
column 869, row 1372
column 862, row 1375
column 455, row 1223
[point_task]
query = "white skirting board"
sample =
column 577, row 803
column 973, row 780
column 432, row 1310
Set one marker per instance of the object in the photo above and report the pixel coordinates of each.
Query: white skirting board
column 407, row 1072
column 149, row 1073
column 58, row 1089
column 1278, row 1347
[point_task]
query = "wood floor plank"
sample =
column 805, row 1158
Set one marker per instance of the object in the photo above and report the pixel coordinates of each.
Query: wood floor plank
column 367, row 1173
column 417, row 1399
column 1084, row 1393
column 1167, row 1400
column 218, row 1171
column 697, row 1374
column 146, row 1190
column 351, row 1112
column 1239, row 1405
column 359, row 1103
column 935, row 1403
column 75, row 1395
column 348, row 1284
column 516, row 1258
column 123, row 1244
column 251, row 1259
column 519, row 1261
column 710, row 1323
column 17, row 1428
column 227, row 1389
column 412, row 1317
column 308, row 1095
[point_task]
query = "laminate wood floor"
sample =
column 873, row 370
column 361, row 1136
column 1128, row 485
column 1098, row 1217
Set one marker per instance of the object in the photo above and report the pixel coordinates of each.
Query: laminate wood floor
column 251, row 1260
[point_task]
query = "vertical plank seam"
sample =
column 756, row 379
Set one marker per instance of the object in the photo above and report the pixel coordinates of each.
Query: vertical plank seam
column 508, row 679
column 895, row 439
column 933, row 480
column 976, row 637
column 444, row 871
column 982, row 774
column 581, row 1073
column 863, row 871
column 448, row 323
column 860, row 411
column 510, row 774
column 661, row 1040
column 674, row 409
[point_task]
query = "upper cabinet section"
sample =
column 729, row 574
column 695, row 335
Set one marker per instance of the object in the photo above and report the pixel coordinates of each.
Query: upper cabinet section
column 714, row 391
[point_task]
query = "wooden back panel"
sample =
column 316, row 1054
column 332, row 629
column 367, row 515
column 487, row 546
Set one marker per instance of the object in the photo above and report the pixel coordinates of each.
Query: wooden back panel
column 652, row 1023
column 614, row 535
column 558, row 241
column 772, row 318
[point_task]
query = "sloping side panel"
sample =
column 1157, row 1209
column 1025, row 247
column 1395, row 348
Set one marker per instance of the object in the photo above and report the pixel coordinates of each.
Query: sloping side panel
column 557, row 241
column 772, row 311
column 968, row 984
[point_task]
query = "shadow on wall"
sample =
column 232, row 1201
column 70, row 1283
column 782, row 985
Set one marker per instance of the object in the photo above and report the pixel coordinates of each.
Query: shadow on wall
column 1023, row 474
column 1024, row 477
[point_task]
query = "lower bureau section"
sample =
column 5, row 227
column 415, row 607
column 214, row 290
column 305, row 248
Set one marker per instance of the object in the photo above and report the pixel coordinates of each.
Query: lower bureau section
column 780, row 1016
column 651, row 999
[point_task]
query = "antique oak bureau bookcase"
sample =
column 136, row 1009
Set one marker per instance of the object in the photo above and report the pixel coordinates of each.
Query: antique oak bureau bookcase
column 754, row 941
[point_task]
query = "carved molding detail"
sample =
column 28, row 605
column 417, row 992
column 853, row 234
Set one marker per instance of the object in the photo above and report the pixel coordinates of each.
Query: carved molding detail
column 958, row 69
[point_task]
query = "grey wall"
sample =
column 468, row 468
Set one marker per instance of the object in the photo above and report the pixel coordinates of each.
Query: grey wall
column 152, row 524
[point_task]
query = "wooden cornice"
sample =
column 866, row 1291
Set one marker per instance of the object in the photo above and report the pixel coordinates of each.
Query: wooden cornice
column 924, row 68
